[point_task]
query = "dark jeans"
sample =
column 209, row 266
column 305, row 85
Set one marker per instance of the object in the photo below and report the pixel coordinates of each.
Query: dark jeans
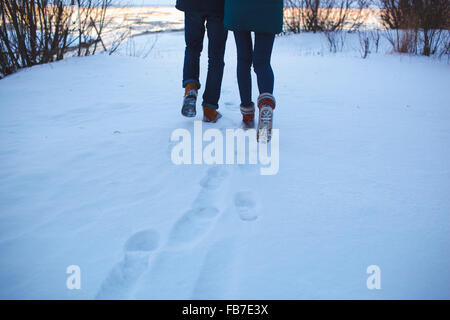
column 217, row 37
column 259, row 56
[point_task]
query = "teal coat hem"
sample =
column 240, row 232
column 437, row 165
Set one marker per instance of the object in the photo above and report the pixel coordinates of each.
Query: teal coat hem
column 254, row 15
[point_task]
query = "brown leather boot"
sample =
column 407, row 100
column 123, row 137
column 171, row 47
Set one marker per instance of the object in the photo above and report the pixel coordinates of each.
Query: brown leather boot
column 190, row 100
column 190, row 86
column 210, row 114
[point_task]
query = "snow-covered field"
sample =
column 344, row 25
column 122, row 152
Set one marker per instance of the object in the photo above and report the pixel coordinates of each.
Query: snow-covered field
column 86, row 179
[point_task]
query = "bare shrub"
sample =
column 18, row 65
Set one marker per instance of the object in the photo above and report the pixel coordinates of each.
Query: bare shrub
column 139, row 49
column 323, row 15
column 375, row 37
column 343, row 17
column 364, row 41
column 293, row 16
column 32, row 32
column 369, row 41
column 336, row 39
column 40, row 31
column 445, row 50
column 334, row 18
column 416, row 26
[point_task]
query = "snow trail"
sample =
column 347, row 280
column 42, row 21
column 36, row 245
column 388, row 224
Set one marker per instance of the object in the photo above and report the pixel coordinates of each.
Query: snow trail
column 127, row 272
column 86, row 179
column 170, row 269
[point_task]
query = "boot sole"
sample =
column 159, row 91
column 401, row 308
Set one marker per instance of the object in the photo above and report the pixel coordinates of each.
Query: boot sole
column 188, row 109
column 189, row 113
column 264, row 132
column 219, row 115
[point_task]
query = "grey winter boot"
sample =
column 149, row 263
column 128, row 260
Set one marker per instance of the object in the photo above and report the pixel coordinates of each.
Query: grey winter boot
column 266, row 105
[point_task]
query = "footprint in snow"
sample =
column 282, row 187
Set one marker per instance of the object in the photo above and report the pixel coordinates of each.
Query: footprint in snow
column 124, row 275
column 245, row 205
column 214, row 178
column 196, row 222
column 144, row 241
column 192, row 226
column 216, row 275
column 231, row 106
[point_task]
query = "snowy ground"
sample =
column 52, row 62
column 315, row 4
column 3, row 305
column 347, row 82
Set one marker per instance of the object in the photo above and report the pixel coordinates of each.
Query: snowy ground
column 86, row 179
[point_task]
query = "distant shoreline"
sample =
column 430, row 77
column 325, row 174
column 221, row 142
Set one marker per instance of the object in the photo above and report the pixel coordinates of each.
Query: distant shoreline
column 140, row 6
column 148, row 19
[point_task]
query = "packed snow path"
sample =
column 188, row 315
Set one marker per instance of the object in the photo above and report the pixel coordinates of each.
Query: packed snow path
column 86, row 179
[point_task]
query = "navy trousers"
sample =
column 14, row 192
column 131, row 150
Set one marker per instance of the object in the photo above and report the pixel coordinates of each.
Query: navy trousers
column 259, row 56
column 196, row 24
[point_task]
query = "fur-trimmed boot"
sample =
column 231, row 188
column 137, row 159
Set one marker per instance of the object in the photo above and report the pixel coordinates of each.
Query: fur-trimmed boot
column 248, row 116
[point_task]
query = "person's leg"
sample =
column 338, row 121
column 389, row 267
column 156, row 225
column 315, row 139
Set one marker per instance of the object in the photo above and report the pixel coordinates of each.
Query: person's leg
column 264, row 73
column 244, row 49
column 261, row 61
column 217, row 37
column 194, row 31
